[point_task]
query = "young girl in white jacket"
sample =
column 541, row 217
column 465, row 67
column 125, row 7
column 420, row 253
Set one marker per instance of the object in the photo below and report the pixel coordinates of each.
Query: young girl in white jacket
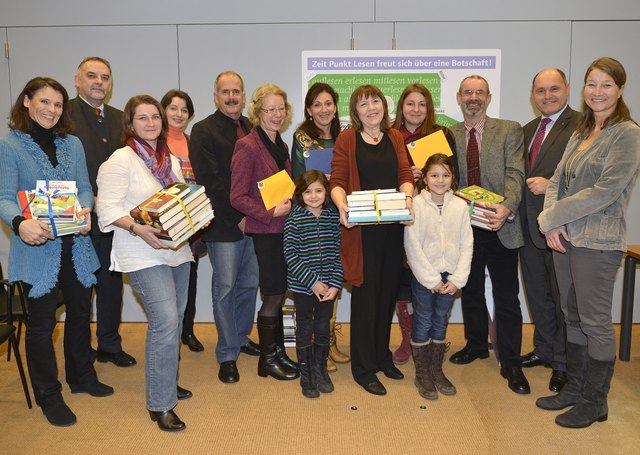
column 439, row 247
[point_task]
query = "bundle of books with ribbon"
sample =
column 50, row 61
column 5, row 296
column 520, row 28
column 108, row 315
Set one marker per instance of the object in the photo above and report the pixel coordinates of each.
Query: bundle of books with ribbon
column 54, row 203
column 477, row 199
column 377, row 206
column 179, row 211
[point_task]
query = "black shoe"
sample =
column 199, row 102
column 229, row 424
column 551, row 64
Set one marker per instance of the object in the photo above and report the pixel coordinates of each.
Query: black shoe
column 58, row 413
column 467, row 355
column 557, row 381
column 229, row 372
column 119, row 359
column 167, row 420
column 517, row 380
column 375, row 387
column 393, row 373
column 95, row 389
column 183, row 394
column 251, row 349
column 533, row 360
column 192, row 343
column 92, row 355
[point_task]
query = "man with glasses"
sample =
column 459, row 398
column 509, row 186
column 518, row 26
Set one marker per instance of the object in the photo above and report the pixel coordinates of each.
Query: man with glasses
column 490, row 154
column 99, row 128
column 235, row 268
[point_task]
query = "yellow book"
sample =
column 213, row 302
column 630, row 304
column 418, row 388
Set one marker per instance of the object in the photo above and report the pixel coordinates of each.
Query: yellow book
column 431, row 144
column 276, row 188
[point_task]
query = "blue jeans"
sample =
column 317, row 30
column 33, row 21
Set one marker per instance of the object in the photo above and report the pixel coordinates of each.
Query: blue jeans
column 163, row 291
column 234, row 290
column 430, row 312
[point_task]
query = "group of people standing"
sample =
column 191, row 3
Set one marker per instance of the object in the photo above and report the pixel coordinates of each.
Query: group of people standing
column 564, row 209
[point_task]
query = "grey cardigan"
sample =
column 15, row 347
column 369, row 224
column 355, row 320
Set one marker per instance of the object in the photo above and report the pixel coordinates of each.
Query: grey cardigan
column 594, row 207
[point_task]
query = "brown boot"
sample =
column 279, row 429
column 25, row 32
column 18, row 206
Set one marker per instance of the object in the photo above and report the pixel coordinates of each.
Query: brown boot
column 334, row 352
column 443, row 385
column 423, row 358
column 331, row 367
column 403, row 353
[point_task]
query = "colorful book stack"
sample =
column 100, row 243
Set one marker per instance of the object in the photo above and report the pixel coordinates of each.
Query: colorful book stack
column 289, row 325
column 477, row 198
column 55, row 203
column 179, row 211
column 377, row 206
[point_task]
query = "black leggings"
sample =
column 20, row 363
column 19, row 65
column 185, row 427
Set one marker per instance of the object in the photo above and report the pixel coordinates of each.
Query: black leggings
column 312, row 319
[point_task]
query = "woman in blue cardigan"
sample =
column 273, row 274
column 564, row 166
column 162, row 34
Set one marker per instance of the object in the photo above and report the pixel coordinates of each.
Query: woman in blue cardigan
column 39, row 147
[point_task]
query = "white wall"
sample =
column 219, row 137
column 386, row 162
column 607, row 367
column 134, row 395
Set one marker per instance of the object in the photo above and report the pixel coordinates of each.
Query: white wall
column 157, row 45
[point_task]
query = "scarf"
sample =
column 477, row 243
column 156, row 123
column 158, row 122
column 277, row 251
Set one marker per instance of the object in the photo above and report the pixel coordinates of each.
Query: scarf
column 277, row 150
column 157, row 161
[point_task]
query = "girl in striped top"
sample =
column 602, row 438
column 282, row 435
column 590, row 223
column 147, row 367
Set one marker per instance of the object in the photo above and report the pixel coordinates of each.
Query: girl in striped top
column 312, row 252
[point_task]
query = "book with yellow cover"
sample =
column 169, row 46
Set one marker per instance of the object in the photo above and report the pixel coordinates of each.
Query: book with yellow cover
column 276, row 188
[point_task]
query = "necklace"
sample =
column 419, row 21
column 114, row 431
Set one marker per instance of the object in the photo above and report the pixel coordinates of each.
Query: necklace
column 375, row 138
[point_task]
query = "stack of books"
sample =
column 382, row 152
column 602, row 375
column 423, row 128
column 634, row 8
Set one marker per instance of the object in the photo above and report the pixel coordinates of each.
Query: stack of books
column 377, row 206
column 289, row 325
column 477, row 198
column 179, row 211
column 54, row 203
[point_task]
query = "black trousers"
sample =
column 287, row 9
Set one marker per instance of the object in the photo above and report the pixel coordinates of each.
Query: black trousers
column 312, row 320
column 373, row 303
column 190, row 310
column 502, row 264
column 108, row 295
column 41, row 358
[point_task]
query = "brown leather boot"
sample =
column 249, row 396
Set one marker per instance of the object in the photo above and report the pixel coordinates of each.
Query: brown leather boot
column 403, row 353
column 334, row 352
column 443, row 385
column 423, row 358
column 331, row 367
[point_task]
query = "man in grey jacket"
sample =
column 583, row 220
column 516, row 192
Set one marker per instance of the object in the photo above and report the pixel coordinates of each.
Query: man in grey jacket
column 491, row 155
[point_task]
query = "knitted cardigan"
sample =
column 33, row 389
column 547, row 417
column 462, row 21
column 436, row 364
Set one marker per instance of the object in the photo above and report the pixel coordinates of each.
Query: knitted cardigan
column 22, row 162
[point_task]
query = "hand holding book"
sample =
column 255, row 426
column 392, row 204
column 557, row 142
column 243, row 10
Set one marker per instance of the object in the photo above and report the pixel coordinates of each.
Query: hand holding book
column 498, row 216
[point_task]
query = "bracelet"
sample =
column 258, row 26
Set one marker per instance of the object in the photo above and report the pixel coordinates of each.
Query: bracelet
column 409, row 197
column 131, row 231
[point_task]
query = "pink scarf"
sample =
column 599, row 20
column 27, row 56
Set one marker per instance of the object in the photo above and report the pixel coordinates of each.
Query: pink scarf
column 157, row 161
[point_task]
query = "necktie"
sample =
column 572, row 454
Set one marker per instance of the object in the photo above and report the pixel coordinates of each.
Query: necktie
column 239, row 130
column 98, row 112
column 537, row 141
column 473, row 159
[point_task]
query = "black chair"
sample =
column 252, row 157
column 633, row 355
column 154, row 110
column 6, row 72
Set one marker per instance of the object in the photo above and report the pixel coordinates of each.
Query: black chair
column 13, row 306
column 7, row 333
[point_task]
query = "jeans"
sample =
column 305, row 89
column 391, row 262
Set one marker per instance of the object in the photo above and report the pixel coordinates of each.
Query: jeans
column 430, row 312
column 163, row 291
column 234, row 291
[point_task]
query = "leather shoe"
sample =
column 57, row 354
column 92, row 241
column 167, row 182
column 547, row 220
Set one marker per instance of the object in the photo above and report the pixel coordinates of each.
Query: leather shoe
column 192, row 343
column 467, row 355
column 557, row 381
column 119, row 359
column 533, row 360
column 167, row 420
column 517, row 380
column 228, row 372
column 95, row 389
column 393, row 373
column 375, row 387
column 183, row 394
column 251, row 349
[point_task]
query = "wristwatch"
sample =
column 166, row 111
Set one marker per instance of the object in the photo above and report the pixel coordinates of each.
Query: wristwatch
column 131, row 231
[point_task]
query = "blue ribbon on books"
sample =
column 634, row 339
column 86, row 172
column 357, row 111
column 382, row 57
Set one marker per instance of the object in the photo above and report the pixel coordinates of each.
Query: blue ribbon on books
column 49, row 194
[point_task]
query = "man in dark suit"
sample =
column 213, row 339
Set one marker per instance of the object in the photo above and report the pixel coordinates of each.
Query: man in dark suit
column 545, row 138
column 235, row 267
column 99, row 128
column 491, row 155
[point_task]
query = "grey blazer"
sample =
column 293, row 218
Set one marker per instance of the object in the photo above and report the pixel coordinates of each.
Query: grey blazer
column 546, row 163
column 501, row 168
column 594, row 207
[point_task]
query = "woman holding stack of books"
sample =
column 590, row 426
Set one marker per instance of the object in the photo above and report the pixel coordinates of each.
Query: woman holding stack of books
column 39, row 147
column 160, row 276
column 370, row 156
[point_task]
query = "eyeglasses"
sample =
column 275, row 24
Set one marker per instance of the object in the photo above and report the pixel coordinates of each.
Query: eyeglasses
column 471, row 92
column 273, row 110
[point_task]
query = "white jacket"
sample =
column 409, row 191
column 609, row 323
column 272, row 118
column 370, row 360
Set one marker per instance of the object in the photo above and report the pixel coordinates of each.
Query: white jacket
column 439, row 240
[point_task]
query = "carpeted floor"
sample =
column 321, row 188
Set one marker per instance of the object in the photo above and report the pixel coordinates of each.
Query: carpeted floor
column 264, row 416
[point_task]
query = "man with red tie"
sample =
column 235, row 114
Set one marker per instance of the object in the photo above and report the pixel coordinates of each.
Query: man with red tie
column 545, row 138
column 491, row 155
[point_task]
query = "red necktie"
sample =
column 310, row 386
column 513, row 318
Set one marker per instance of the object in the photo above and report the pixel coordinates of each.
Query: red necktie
column 98, row 112
column 537, row 141
column 239, row 130
column 473, row 159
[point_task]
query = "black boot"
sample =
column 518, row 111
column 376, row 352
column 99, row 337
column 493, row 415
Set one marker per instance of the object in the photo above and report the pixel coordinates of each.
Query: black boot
column 307, row 381
column 269, row 365
column 592, row 405
column 570, row 393
column 320, row 373
column 281, row 352
column 56, row 411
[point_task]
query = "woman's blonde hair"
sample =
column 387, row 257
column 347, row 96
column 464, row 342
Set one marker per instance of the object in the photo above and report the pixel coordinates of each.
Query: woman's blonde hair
column 256, row 104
